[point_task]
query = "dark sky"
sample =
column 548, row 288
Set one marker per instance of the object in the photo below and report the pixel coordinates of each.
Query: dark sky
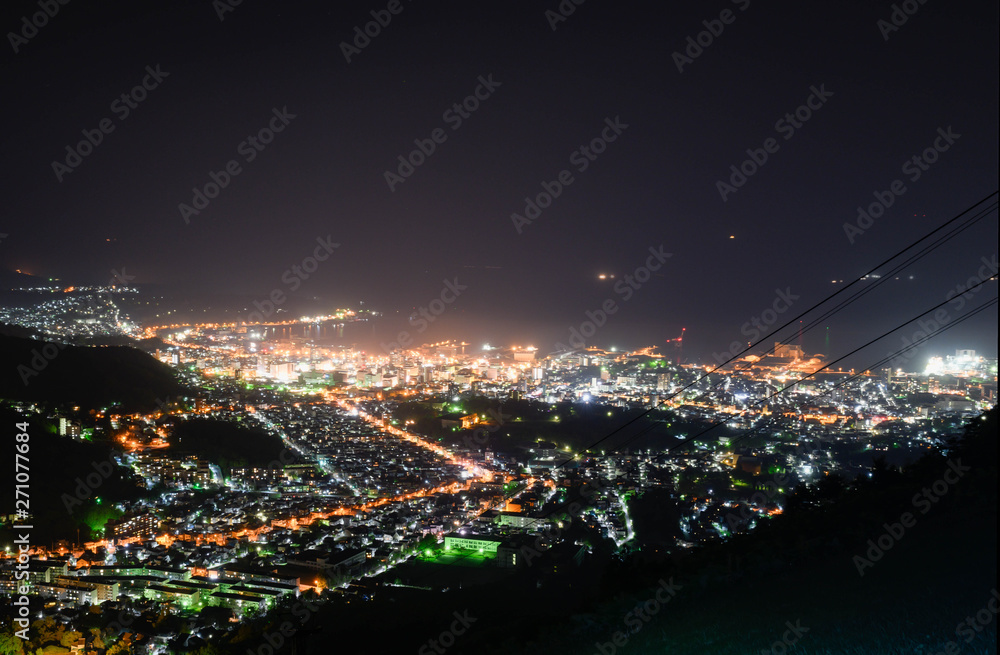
column 655, row 184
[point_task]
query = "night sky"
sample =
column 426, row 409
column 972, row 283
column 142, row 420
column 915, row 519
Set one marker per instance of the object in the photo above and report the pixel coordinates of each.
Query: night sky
column 324, row 174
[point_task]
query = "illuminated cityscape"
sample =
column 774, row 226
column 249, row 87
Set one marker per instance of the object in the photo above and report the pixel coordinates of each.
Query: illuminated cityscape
column 366, row 481
column 488, row 329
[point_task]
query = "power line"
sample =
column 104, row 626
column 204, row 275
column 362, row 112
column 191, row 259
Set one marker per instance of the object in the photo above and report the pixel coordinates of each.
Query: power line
column 786, row 324
column 889, row 357
column 888, row 275
column 862, row 347
column 913, row 258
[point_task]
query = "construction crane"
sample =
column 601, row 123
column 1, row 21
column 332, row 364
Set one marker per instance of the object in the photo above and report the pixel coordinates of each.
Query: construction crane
column 678, row 345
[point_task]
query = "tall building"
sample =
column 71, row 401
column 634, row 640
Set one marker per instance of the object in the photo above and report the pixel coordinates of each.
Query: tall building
column 788, row 350
column 141, row 526
column 68, row 428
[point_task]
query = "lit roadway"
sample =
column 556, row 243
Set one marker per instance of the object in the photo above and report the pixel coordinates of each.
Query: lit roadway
column 474, row 470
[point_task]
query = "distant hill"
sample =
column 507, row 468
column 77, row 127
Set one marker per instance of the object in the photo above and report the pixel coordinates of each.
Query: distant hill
column 61, row 501
column 91, row 377
column 13, row 280
column 230, row 445
column 8, row 330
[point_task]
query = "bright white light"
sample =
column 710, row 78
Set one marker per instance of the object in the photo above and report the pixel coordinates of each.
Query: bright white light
column 935, row 366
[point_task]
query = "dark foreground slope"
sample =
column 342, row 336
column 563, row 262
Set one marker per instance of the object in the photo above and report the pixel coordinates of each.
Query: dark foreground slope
column 793, row 585
column 903, row 563
column 91, row 377
column 73, row 485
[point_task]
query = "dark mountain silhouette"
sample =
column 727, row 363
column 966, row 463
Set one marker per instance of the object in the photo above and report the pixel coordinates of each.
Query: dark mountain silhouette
column 91, row 377
column 816, row 564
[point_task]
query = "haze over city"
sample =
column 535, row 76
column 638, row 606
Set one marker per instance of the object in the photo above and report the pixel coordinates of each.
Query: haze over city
column 491, row 323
